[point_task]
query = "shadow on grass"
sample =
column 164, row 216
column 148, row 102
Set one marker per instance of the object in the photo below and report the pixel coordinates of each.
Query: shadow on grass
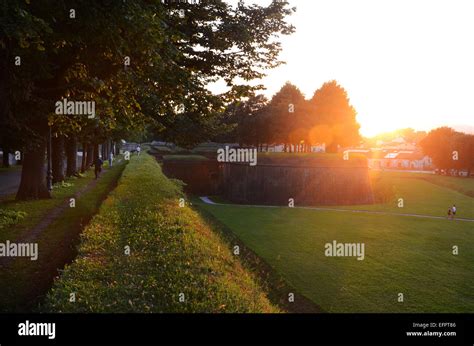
column 273, row 283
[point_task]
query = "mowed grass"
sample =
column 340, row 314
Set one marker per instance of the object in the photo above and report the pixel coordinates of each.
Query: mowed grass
column 403, row 254
column 421, row 196
column 463, row 185
column 175, row 263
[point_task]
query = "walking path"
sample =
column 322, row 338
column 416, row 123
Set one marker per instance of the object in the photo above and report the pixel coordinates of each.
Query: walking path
column 50, row 217
column 9, row 181
column 206, row 200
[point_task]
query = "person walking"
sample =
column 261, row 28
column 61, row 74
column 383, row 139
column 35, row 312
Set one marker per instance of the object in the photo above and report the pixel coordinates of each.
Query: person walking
column 453, row 208
column 138, row 150
column 111, row 159
column 449, row 213
column 97, row 166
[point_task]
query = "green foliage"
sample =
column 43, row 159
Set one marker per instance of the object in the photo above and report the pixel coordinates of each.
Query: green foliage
column 10, row 217
column 172, row 251
column 330, row 106
column 62, row 184
column 289, row 118
column 449, row 149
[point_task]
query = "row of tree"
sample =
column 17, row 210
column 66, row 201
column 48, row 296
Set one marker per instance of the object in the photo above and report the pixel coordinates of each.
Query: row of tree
column 145, row 64
column 289, row 119
column 449, row 149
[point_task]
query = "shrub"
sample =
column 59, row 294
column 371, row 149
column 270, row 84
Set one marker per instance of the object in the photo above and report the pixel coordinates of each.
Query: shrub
column 10, row 217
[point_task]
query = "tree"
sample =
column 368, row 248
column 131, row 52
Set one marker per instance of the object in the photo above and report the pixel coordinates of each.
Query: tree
column 439, row 145
column 288, row 114
column 330, row 106
column 171, row 58
column 463, row 145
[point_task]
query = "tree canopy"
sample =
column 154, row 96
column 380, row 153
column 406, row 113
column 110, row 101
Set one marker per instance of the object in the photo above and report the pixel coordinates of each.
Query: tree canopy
column 289, row 119
column 145, row 64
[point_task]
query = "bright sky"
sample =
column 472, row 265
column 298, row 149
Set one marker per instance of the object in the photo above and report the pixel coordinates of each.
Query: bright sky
column 404, row 63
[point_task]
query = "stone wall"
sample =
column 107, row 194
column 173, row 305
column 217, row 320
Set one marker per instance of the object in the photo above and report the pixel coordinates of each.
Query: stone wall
column 201, row 177
column 308, row 182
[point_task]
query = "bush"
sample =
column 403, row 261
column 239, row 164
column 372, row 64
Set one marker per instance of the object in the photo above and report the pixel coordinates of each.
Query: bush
column 172, row 252
column 10, row 217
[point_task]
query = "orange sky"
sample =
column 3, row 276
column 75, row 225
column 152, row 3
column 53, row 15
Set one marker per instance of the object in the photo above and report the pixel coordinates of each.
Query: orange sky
column 404, row 63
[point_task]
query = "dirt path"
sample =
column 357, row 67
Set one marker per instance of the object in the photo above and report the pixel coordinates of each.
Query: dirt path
column 206, row 200
column 49, row 218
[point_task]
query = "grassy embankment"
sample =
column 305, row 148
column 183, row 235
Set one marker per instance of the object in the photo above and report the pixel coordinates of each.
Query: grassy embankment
column 23, row 282
column 423, row 194
column 172, row 252
column 403, row 254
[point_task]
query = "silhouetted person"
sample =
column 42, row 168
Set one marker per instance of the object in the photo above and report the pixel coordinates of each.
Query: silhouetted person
column 450, row 213
column 111, row 159
column 97, row 167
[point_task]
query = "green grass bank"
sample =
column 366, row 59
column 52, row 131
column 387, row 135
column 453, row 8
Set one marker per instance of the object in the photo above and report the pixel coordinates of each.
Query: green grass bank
column 23, row 283
column 144, row 253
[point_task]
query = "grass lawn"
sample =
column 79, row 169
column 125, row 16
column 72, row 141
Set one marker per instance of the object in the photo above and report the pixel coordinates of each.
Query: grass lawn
column 36, row 209
column 403, row 254
column 23, row 281
column 463, row 185
column 420, row 196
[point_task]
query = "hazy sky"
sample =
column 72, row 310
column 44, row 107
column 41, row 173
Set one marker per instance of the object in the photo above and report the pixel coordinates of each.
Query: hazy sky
column 404, row 63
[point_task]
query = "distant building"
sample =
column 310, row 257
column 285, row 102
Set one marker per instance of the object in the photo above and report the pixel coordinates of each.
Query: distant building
column 396, row 144
column 393, row 159
column 280, row 148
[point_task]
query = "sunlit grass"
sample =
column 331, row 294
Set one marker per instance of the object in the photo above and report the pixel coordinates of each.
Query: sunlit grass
column 172, row 251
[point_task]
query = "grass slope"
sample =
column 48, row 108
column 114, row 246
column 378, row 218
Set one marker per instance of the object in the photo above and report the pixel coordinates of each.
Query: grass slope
column 405, row 255
column 420, row 196
column 172, row 251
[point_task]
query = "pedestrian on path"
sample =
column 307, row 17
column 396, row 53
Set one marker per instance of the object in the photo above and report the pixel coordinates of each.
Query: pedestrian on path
column 111, row 159
column 138, row 150
column 98, row 166
column 453, row 208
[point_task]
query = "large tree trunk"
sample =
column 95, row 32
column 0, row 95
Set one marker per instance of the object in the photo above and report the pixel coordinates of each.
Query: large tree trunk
column 84, row 158
column 90, row 155
column 58, row 159
column 96, row 152
column 33, row 175
column 71, row 155
column 107, row 149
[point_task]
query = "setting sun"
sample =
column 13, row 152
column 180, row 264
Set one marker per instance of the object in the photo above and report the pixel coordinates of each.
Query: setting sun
column 398, row 71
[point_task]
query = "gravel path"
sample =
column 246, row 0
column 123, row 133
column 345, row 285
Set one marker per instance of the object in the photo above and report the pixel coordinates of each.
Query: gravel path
column 206, row 200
